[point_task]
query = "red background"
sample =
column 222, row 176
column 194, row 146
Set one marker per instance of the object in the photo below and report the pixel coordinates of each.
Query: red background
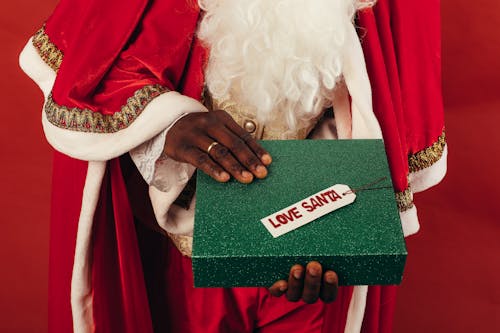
column 452, row 276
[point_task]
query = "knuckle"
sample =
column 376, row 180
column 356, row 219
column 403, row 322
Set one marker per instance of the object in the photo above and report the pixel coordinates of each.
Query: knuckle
column 182, row 152
column 238, row 146
column 202, row 121
column 185, row 148
column 202, row 159
column 221, row 152
column 207, row 119
column 252, row 161
column 235, row 167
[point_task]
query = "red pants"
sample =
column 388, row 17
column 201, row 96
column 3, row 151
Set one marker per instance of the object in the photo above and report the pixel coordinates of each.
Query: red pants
column 179, row 307
column 235, row 310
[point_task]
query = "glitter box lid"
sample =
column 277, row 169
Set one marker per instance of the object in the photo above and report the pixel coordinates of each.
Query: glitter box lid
column 363, row 242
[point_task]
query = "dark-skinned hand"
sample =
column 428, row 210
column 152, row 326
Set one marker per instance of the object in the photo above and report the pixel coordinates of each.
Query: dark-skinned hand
column 309, row 284
column 237, row 153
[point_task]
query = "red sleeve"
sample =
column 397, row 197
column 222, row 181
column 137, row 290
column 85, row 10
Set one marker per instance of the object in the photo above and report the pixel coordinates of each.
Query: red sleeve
column 114, row 51
column 113, row 77
column 402, row 45
column 108, row 58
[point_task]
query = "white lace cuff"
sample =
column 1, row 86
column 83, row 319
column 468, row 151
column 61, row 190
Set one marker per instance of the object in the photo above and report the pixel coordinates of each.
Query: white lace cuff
column 156, row 168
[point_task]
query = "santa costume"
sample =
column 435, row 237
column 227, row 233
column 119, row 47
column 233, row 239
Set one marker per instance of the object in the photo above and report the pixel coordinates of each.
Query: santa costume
column 117, row 76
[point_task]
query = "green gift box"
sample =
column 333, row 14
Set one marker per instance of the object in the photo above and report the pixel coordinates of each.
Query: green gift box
column 363, row 241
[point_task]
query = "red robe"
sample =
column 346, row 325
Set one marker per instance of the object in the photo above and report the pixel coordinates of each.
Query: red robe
column 103, row 52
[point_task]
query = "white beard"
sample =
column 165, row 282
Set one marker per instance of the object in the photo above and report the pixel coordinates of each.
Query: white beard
column 282, row 57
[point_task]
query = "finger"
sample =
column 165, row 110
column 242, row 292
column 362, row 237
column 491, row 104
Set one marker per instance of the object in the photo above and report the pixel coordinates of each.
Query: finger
column 223, row 157
column 220, row 154
column 312, row 282
column 329, row 287
column 278, row 288
column 239, row 149
column 202, row 161
column 295, row 283
column 229, row 122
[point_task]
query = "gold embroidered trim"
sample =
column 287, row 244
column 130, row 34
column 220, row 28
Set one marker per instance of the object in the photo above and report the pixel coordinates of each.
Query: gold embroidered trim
column 47, row 50
column 428, row 156
column 183, row 243
column 404, row 199
column 85, row 120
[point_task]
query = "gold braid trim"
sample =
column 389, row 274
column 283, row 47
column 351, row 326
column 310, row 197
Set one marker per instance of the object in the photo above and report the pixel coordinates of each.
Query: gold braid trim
column 183, row 243
column 428, row 156
column 404, row 199
column 85, row 120
column 47, row 50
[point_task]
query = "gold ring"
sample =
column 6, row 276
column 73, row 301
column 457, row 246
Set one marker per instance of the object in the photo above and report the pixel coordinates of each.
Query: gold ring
column 213, row 144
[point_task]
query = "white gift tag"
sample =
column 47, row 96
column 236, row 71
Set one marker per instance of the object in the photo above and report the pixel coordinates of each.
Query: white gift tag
column 308, row 209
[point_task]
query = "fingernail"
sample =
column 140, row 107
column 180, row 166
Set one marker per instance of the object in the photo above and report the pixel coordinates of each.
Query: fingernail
column 283, row 287
column 313, row 271
column 223, row 176
column 266, row 159
column 246, row 174
column 329, row 278
column 261, row 171
column 297, row 274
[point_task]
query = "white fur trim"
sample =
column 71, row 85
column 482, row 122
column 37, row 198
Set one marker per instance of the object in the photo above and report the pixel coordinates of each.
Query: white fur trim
column 428, row 177
column 364, row 123
column 356, row 311
column 31, row 63
column 420, row 181
column 364, row 126
column 409, row 221
column 81, row 279
column 342, row 111
column 157, row 116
